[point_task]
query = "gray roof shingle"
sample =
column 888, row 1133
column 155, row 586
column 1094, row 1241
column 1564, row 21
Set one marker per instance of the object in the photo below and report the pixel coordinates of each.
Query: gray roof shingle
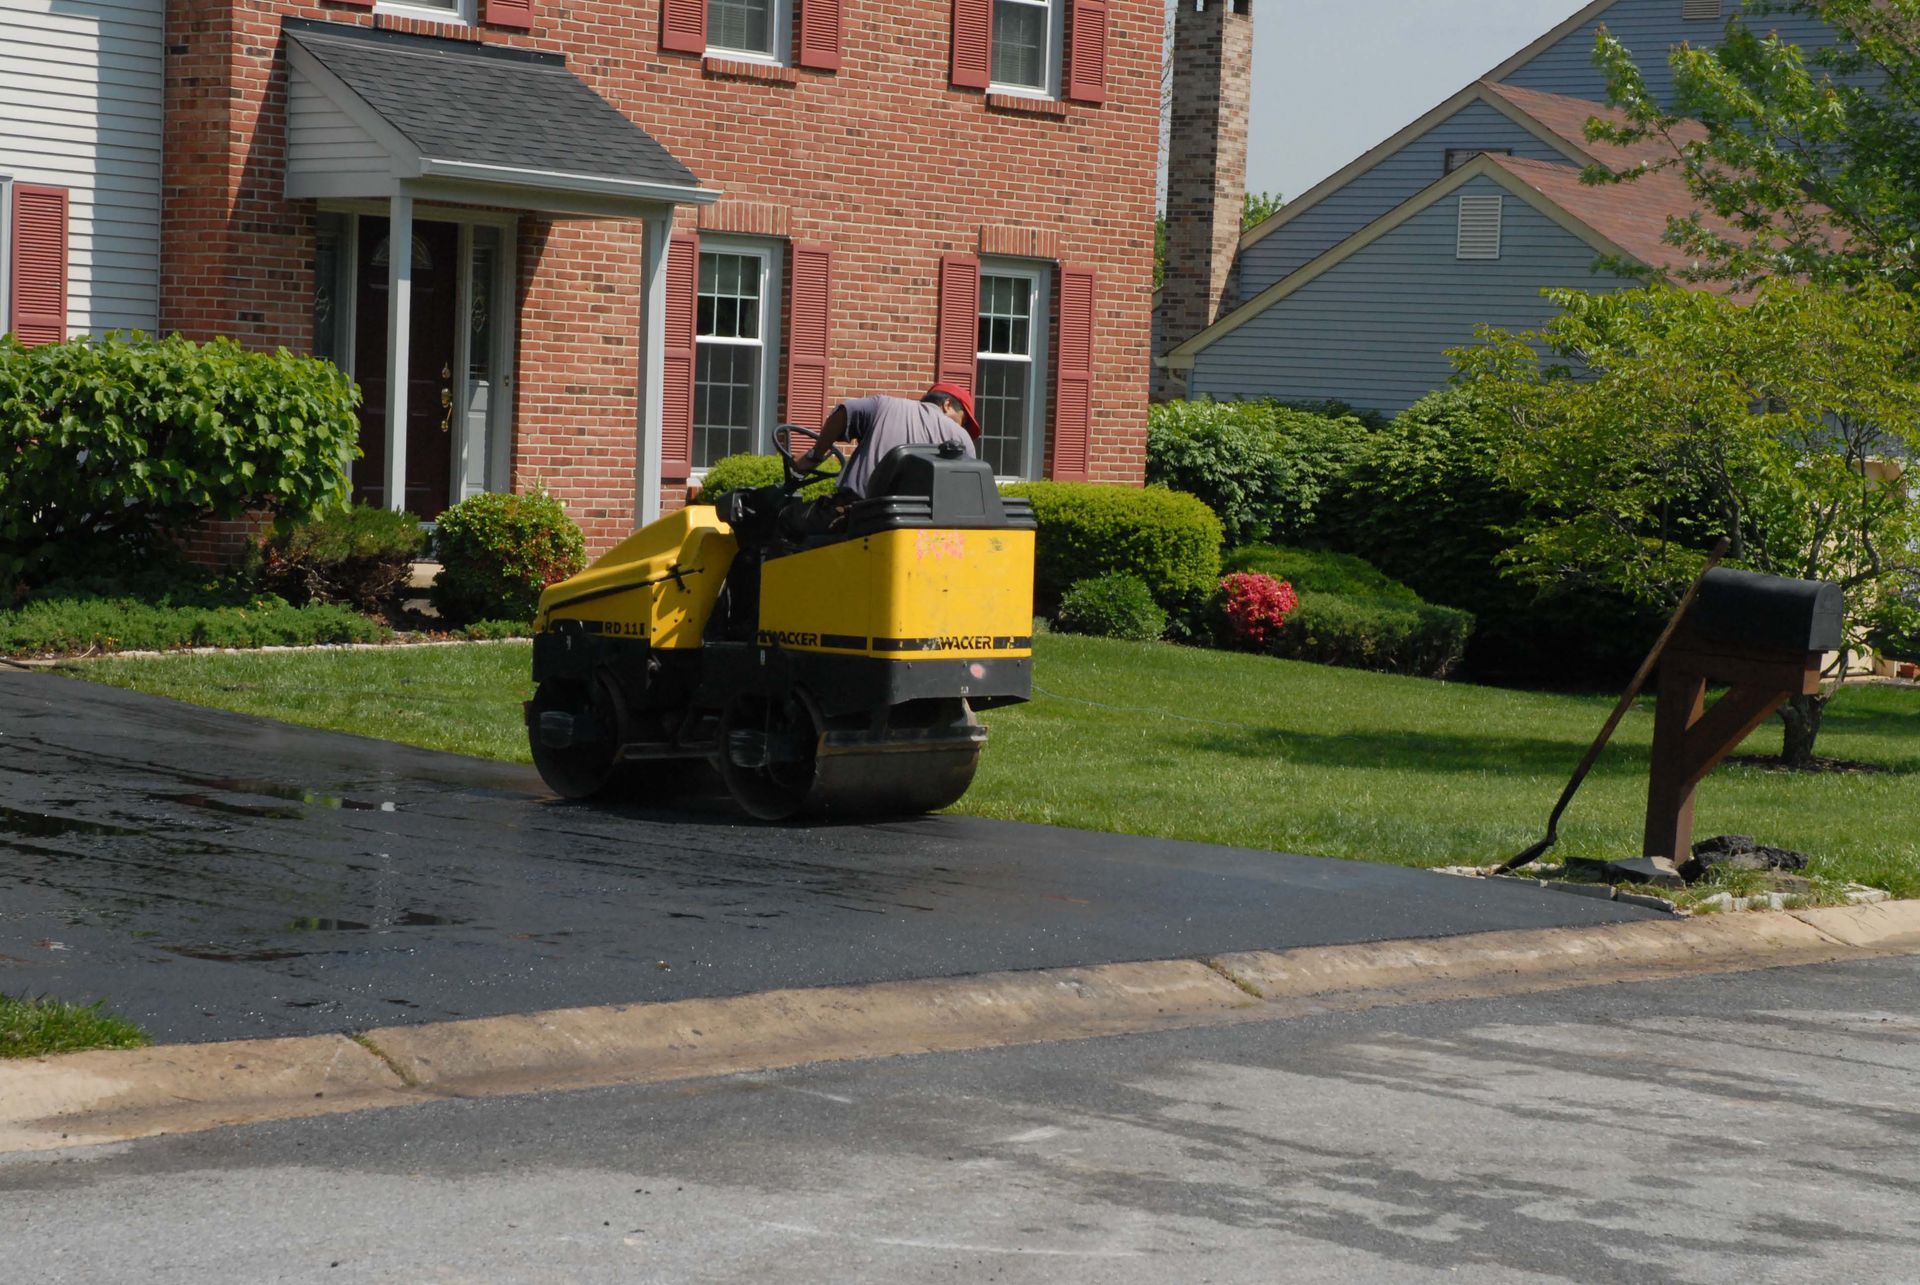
column 489, row 105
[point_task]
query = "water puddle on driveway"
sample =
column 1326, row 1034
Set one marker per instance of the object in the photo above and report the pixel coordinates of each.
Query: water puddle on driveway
column 45, row 825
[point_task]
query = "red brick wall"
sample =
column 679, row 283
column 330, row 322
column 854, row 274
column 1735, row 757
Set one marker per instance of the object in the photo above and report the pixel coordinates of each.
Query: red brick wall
column 880, row 160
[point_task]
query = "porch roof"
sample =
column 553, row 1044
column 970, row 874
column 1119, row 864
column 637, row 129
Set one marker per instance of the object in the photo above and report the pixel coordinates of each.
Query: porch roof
column 374, row 113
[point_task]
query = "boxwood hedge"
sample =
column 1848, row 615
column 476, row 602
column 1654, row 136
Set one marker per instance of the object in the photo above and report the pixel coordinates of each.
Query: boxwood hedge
column 1169, row 539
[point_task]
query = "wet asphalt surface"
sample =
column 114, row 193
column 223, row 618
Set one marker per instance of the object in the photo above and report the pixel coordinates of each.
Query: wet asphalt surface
column 217, row 876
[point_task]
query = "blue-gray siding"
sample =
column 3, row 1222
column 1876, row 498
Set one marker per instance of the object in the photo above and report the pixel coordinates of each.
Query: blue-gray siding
column 1394, row 180
column 1650, row 29
column 1374, row 330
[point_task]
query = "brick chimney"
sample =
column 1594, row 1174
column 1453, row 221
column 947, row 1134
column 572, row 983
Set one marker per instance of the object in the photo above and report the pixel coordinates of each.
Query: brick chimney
column 1212, row 65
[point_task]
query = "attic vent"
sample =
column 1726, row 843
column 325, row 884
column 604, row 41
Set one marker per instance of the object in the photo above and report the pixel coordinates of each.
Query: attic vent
column 1697, row 10
column 1479, row 236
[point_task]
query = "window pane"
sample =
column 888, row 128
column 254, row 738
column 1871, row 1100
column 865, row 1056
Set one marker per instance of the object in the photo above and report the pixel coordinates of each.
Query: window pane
column 326, row 287
column 1006, row 306
column 726, row 396
column 1020, row 43
column 729, row 299
column 1002, row 404
column 480, row 313
column 741, row 24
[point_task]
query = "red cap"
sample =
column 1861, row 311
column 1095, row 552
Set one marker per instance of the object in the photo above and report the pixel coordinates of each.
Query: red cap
column 965, row 399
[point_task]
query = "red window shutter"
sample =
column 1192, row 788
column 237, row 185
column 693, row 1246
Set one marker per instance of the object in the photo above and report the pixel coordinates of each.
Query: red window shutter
column 39, row 264
column 510, row 13
column 1087, row 52
column 972, row 43
column 809, row 334
column 683, row 26
column 1073, row 389
column 958, row 343
column 820, row 34
column 676, row 419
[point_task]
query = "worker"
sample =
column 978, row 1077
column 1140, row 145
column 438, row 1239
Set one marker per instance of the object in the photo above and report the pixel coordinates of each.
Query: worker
column 876, row 425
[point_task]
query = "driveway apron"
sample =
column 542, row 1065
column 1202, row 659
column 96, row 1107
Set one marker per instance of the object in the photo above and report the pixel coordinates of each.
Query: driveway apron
column 218, row 876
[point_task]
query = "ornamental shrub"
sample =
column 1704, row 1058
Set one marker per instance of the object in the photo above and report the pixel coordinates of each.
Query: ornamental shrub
column 358, row 555
column 1263, row 468
column 498, row 551
column 58, row 625
column 1316, row 571
column 747, row 472
column 1118, row 605
column 1255, row 608
column 1168, row 539
column 1327, row 629
column 115, row 445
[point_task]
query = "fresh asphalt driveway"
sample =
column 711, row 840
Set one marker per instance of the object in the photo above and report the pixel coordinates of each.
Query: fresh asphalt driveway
column 216, row 876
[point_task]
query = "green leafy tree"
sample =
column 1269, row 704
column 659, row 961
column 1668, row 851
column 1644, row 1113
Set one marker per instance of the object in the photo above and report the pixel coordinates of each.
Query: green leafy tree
column 1809, row 163
column 1693, row 414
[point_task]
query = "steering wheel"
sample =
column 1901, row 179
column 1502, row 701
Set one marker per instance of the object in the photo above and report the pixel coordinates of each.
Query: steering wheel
column 783, row 443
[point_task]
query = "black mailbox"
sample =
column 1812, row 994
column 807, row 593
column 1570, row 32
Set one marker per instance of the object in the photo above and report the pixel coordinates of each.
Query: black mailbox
column 1768, row 612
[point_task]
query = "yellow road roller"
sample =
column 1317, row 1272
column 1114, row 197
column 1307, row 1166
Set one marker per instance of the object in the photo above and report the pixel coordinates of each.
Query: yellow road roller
column 835, row 674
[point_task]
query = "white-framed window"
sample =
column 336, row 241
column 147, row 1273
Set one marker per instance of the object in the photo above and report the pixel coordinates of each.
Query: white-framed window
column 1027, row 36
column 1011, row 385
column 432, row 10
column 736, row 345
column 752, row 29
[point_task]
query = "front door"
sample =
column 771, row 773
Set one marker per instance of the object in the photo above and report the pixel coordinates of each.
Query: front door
column 431, row 377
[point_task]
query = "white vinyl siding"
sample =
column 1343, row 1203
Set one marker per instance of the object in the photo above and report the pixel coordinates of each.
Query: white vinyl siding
column 80, row 94
column 324, row 143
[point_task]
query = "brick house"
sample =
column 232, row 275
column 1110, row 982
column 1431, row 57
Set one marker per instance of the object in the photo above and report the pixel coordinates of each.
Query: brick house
column 620, row 239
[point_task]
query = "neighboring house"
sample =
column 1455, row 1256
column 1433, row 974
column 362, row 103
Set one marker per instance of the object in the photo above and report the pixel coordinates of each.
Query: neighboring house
column 599, row 244
column 1355, row 289
column 80, row 166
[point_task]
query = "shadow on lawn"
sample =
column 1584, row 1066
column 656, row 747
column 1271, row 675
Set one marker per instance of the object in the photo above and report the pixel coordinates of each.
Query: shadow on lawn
column 1420, row 751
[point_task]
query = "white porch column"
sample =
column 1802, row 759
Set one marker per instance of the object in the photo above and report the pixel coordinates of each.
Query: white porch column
column 653, row 348
column 399, row 344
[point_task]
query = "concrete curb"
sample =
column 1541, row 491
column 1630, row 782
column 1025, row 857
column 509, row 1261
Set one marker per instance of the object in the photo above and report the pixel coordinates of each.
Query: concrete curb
column 49, row 1103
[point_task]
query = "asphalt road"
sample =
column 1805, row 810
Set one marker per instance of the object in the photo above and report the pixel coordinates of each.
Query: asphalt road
column 216, row 876
column 1751, row 1128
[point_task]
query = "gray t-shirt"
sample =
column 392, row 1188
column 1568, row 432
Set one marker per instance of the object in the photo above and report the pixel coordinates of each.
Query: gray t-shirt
column 878, row 424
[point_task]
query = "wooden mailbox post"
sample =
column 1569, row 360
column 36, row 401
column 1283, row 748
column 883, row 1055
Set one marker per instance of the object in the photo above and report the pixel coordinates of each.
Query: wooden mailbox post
column 1767, row 638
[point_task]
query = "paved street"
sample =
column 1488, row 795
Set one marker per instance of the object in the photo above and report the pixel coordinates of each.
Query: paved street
column 1747, row 1127
column 216, row 876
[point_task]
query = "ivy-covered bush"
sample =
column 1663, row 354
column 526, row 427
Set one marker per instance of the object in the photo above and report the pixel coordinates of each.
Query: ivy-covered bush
column 1327, row 629
column 357, row 555
column 1254, row 609
column 1168, row 539
column 1117, row 605
column 1261, row 467
column 747, row 472
column 115, row 445
column 498, row 551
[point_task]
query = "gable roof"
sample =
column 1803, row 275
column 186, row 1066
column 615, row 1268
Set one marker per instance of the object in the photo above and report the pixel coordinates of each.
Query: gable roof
column 1620, row 221
column 1566, row 119
column 1550, row 38
column 484, row 113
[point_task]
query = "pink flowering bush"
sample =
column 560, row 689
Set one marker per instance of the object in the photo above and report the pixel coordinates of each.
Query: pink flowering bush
column 1256, row 607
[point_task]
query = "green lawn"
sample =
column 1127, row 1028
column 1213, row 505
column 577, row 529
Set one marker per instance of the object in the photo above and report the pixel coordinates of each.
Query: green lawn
column 1161, row 740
